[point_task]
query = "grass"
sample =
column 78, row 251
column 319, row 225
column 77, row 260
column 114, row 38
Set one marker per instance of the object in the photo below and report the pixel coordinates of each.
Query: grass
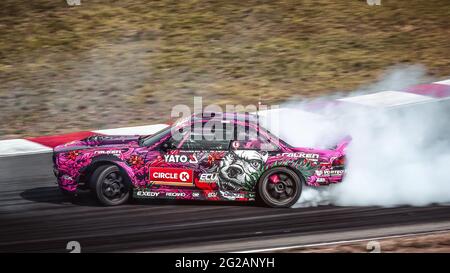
column 226, row 51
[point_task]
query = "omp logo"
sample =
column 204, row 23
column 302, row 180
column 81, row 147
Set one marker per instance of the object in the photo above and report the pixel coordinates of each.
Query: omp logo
column 73, row 2
column 374, row 2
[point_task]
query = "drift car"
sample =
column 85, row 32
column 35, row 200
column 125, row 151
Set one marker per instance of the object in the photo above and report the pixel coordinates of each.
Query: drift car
column 252, row 165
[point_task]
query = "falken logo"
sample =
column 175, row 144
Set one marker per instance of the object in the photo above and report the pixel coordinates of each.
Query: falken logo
column 313, row 157
column 107, row 152
column 180, row 158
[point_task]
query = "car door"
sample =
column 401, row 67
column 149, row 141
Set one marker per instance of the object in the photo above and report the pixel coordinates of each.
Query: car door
column 211, row 146
column 176, row 164
column 191, row 160
column 246, row 161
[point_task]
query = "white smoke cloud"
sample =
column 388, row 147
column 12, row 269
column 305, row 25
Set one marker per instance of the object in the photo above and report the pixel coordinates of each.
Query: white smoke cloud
column 396, row 157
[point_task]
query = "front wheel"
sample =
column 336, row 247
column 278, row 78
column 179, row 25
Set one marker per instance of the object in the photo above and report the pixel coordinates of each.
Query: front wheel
column 109, row 185
column 279, row 187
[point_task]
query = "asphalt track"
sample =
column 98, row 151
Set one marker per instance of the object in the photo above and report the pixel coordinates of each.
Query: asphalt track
column 35, row 217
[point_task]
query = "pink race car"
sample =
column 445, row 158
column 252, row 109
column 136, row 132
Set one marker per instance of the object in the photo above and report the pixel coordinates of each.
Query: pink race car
column 236, row 159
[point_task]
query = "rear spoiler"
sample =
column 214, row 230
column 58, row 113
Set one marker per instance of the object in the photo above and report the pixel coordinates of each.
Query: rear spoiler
column 343, row 144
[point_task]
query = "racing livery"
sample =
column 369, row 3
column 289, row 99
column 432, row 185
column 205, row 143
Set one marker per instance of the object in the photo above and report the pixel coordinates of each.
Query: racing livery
column 248, row 164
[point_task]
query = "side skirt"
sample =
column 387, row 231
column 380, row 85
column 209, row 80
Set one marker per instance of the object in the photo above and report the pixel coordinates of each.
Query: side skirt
column 190, row 194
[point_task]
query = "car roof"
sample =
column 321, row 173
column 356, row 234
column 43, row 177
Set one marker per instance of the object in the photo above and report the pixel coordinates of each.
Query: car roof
column 236, row 116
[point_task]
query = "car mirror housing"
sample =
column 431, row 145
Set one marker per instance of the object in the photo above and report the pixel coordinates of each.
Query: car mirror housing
column 167, row 146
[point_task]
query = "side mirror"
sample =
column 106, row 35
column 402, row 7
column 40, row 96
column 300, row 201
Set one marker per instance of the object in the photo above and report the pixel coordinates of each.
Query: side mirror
column 167, row 145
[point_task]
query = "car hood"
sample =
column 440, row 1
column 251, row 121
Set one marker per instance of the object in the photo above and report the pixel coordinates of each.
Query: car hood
column 100, row 142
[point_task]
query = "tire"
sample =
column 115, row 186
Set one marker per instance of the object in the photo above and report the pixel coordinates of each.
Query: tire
column 282, row 193
column 109, row 185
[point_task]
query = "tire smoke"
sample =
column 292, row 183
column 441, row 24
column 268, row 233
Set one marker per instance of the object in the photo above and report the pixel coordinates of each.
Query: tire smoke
column 398, row 156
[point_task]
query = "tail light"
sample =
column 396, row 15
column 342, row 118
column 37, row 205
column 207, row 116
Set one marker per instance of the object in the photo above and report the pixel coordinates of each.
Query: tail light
column 340, row 161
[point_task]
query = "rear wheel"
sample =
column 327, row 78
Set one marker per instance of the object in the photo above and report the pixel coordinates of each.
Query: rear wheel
column 279, row 187
column 109, row 185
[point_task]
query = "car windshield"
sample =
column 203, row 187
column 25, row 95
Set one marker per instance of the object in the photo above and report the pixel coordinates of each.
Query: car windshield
column 152, row 139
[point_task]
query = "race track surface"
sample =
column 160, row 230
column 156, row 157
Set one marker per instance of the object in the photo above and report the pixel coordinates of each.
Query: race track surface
column 36, row 217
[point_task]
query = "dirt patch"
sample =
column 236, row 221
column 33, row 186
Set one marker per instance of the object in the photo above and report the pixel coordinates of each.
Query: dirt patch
column 121, row 63
column 431, row 243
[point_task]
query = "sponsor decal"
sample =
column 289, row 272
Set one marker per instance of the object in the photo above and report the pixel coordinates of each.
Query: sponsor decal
column 312, row 157
column 212, row 194
column 147, row 193
column 320, row 180
column 107, row 152
column 329, row 172
column 195, row 194
column 333, row 172
column 180, row 158
column 233, row 196
column 175, row 194
column 171, row 176
column 209, row 178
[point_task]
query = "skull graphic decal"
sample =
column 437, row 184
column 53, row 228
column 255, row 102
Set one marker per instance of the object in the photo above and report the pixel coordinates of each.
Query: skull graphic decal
column 239, row 170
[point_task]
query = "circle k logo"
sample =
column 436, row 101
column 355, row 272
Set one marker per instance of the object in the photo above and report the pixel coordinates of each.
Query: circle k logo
column 184, row 176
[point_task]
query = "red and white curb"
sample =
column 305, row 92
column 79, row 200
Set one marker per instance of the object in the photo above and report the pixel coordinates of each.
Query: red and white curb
column 45, row 144
column 416, row 94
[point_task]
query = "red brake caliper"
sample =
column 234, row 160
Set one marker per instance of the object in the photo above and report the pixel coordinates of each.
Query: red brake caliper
column 274, row 178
